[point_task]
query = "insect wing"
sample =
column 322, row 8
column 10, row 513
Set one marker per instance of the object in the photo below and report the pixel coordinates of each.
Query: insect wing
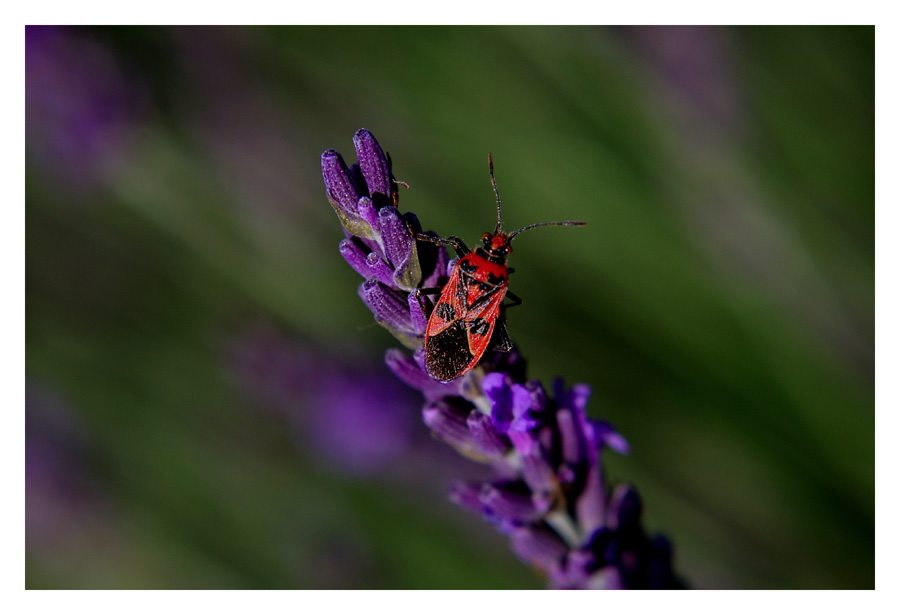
column 450, row 307
column 480, row 323
column 447, row 353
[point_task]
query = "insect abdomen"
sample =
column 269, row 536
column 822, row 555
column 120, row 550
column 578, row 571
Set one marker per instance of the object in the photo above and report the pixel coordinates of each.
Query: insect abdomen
column 447, row 353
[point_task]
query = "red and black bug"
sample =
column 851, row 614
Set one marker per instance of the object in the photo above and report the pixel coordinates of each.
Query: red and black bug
column 463, row 320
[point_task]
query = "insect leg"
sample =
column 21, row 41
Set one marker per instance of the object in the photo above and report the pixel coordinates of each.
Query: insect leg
column 500, row 340
column 455, row 242
column 419, row 309
column 514, row 298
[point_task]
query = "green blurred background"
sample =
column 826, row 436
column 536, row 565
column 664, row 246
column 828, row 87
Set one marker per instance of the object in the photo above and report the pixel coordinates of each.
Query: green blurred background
column 190, row 321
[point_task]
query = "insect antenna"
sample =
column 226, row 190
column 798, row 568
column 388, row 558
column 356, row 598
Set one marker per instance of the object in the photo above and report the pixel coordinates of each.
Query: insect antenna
column 531, row 226
column 496, row 192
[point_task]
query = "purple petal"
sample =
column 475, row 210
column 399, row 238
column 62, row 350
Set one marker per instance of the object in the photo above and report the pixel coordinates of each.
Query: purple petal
column 608, row 436
column 575, row 398
column 521, row 404
column 491, row 383
column 510, row 403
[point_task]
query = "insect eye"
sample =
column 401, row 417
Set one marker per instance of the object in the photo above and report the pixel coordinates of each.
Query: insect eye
column 486, row 238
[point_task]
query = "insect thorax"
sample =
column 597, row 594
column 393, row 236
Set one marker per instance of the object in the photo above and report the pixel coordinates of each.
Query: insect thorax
column 489, row 256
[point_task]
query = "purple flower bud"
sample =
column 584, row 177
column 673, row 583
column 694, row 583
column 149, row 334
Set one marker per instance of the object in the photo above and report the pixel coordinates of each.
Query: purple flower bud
column 411, row 221
column 382, row 271
column 491, row 441
column 374, row 166
column 535, row 389
column 400, row 248
column 509, row 503
column 449, row 424
column 536, row 470
column 513, row 365
column 577, row 569
column 366, row 210
column 606, row 578
column 591, row 435
column 625, row 509
column 389, row 309
column 571, row 438
column 659, row 569
column 343, row 194
column 467, row 495
column 538, row 546
column 411, row 371
column 339, row 184
column 394, row 235
column 369, row 244
column 417, row 313
column 590, row 506
column 355, row 257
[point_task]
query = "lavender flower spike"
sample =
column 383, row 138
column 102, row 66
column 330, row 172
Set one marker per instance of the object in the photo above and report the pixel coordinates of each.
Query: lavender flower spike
column 549, row 493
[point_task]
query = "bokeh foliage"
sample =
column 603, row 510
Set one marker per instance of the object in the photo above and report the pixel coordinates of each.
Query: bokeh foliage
column 720, row 300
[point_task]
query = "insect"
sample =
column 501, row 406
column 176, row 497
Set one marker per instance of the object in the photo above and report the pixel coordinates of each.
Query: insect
column 463, row 320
